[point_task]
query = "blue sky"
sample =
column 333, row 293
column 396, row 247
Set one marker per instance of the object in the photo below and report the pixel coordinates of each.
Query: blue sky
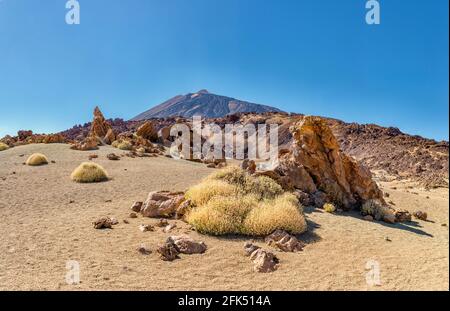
column 313, row 57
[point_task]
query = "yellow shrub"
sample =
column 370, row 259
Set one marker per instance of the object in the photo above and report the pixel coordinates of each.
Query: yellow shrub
column 37, row 159
column 205, row 191
column 329, row 207
column 232, row 175
column 3, row 146
column 231, row 201
column 222, row 215
column 122, row 144
column 263, row 187
column 280, row 213
column 89, row 172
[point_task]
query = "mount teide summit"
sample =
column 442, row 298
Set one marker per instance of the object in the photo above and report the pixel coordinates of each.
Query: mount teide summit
column 204, row 104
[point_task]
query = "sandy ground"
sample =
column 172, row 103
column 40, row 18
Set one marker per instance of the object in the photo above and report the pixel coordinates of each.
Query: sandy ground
column 41, row 230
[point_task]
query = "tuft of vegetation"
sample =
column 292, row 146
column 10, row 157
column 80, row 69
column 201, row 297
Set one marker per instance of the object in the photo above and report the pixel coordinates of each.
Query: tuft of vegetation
column 376, row 209
column 89, row 172
column 3, row 146
column 329, row 207
column 37, row 159
column 231, row 201
column 205, row 191
column 122, row 144
column 282, row 213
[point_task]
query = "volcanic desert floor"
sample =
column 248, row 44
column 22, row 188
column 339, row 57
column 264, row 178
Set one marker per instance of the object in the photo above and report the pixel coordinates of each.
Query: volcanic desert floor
column 46, row 221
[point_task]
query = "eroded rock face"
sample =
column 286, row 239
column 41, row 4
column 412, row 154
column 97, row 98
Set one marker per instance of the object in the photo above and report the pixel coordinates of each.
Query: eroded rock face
column 162, row 204
column 101, row 131
column 89, row 143
column 187, row 245
column 284, row 241
column 315, row 165
column 147, row 131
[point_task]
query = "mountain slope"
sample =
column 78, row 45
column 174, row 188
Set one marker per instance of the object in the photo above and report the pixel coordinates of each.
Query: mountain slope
column 202, row 103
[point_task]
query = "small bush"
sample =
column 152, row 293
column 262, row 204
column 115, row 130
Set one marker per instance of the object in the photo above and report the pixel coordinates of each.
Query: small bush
column 89, row 172
column 329, row 207
column 3, row 146
column 264, row 187
column 122, row 144
column 281, row 213
column 205, row 191
column 376, row 209
column 222, row 215
column 37, row 159
column 231, row 201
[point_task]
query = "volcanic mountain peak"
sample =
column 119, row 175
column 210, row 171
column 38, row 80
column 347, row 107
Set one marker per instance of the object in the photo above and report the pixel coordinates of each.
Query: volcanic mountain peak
column 204, row 104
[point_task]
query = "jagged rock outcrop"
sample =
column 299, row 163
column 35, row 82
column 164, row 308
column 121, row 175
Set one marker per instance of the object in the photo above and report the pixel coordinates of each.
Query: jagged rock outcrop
column 100, row 128
column 147, row 131
column 316, row 166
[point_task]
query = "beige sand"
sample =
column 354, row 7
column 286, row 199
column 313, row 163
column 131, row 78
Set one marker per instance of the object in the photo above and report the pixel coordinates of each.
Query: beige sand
column 41, row 230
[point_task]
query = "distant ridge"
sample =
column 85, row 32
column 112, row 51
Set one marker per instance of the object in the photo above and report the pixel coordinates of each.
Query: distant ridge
column 204, row 104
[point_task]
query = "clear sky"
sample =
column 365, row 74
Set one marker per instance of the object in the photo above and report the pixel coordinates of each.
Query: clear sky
column 310, row 56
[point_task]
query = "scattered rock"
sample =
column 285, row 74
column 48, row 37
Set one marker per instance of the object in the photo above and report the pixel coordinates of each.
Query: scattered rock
column 136, row 207
column 144, row 250
column 168, row 251
column 284, row 241
column 387, row 239
column 146, row 228
column 162, row 223
column 114, row 221
column 184, row 244
column 133, row 215
column 421, row 215
column 402, row 216
column 249, row 248
column 168, row 228
column 368, row 218
column 162, row 204
column 126, row 221
column 92, row 156
column 103, row 223
column 264, row 261
column 113, row 157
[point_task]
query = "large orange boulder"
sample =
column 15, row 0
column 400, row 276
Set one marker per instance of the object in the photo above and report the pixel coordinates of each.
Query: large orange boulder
column 147, row 131
column 316, row 166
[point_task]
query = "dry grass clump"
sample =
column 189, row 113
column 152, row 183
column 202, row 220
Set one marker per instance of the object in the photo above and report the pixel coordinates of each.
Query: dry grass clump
column 122, row 144
column 329, row 207
column 3, row 146
column 263, row 187
column 37, row 159
column 376, row 209
column 231, row 201
column 222, row 215
column 205, row 191
column 280, row 213
column 89, row 172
